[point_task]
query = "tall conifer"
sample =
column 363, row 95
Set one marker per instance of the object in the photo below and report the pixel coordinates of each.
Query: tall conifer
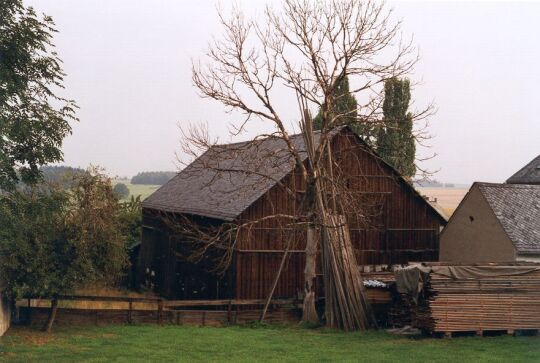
column 395, row 139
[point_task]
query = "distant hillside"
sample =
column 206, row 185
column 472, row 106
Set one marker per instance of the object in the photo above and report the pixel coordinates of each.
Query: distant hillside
column 153, row 177
column 437, row 184
column 60, row 174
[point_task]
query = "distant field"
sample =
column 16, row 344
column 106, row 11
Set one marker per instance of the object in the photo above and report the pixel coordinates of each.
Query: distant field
column 447, row 198
column 142, row 190
column 138, row 189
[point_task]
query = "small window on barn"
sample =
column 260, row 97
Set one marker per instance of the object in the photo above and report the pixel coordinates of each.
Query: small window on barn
column 471, row 218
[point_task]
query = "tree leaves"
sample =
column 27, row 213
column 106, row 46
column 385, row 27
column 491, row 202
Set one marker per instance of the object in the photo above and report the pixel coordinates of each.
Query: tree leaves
column 34, row 119
column 395, row 140
column 54, row 240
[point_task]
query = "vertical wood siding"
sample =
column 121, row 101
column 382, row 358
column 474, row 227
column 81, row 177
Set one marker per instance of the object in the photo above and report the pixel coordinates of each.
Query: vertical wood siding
column 406, row 229
column 403, row 228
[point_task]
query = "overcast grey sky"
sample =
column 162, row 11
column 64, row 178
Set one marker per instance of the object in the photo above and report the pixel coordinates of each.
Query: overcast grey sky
column 129, row 68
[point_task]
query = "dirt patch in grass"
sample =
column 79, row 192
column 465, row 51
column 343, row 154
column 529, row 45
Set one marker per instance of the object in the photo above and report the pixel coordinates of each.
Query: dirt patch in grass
column 109, row 335
column 23, row 335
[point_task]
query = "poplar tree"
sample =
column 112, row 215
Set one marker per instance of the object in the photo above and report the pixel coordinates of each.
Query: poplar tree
column 395, row 140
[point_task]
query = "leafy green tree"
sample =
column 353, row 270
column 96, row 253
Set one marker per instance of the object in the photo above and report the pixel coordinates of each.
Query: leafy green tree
column 345, row 109
column 34, row 120
column 395, row 139
column 131, row 220
column 53, row 241
column 345, row 105
column 121, row 190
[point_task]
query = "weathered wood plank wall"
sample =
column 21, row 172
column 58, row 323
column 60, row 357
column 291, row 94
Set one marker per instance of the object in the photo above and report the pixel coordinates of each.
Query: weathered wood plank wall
column 402, row 227
column 405, row 228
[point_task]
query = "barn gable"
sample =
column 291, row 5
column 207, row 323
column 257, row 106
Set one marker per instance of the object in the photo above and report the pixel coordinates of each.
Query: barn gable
column 227, row 179
column 474, row 234
column 494, row 223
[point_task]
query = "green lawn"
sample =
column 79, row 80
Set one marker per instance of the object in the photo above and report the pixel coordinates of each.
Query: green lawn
column 141, row 189
column 138, row 189
column 242, row 344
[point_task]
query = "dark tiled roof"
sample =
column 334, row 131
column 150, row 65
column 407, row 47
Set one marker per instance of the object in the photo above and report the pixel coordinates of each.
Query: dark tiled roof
column 517, row 206
column 529, row 174
column 227, row 179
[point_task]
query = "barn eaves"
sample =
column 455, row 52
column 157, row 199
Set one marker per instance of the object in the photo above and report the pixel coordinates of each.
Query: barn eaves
column 227, row 179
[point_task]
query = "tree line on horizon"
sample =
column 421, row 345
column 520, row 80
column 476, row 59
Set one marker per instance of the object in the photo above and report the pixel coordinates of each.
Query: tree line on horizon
column 153, row 177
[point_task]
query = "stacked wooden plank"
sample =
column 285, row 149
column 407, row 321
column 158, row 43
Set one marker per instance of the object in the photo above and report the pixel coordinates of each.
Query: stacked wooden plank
column 499, row 302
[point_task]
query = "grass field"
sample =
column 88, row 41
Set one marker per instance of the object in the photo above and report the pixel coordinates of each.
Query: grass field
column 138, row 189
column 242, row 344
column 142, row 190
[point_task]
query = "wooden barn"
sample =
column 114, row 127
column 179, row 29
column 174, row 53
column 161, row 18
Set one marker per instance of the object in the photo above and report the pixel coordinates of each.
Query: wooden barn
column 406, row 227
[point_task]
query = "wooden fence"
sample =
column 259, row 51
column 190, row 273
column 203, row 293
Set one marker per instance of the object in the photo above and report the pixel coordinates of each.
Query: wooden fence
column 190, row 312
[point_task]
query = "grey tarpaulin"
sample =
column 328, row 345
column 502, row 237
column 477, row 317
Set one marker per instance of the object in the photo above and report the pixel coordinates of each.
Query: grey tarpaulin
column 412, row 279
column 478, row 272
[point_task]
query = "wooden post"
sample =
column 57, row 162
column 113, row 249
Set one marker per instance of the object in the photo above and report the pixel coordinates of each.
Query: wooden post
column 229, row 311
column 160, row 312
column 29, row 314
column 130, row 316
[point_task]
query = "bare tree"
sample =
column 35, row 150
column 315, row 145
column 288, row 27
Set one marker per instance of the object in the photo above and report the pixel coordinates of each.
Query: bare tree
column 306, row 48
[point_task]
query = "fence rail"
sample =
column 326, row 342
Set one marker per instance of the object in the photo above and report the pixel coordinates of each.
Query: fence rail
column 162, row 305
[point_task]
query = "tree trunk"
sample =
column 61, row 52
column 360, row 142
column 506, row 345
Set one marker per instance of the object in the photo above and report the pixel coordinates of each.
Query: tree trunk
column 309, row 311
column 54, row 307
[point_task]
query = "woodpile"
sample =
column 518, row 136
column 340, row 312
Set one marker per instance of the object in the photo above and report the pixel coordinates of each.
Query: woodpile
column 346, row 305
column 505, row 298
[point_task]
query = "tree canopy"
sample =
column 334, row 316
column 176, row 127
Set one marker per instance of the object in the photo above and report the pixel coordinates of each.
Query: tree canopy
column 34, row 119
column 53, row 241
column 121, row 191
column 395, row 140
column 345, row 105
